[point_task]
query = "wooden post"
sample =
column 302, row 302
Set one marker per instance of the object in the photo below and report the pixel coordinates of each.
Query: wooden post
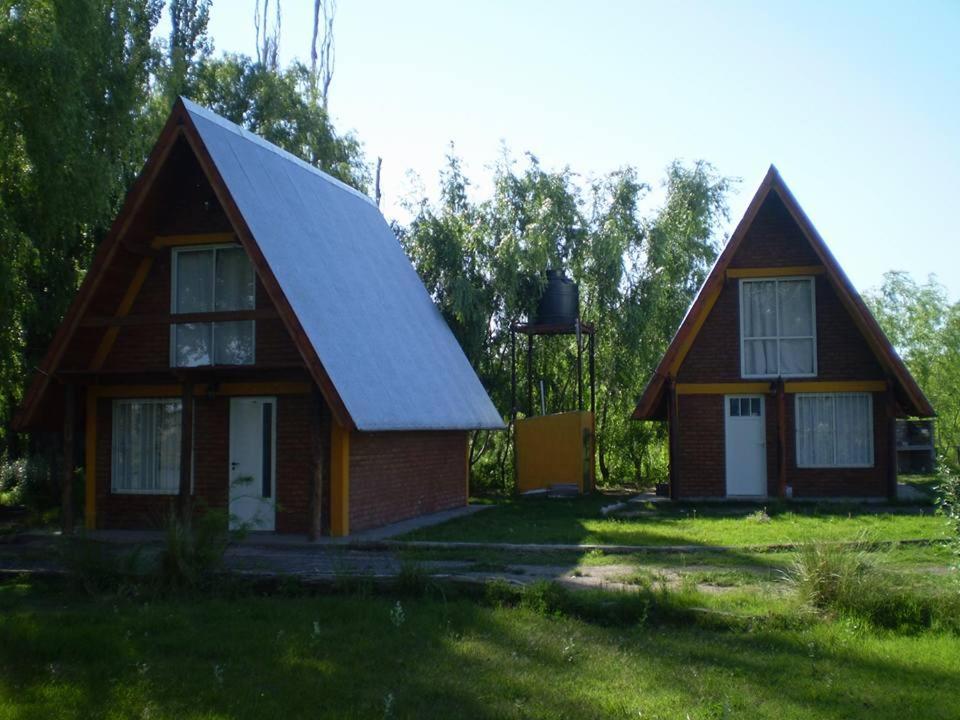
column 186, row 452
column 316, row 484
column 593, row 375
column 673, row 412
column 530, row 412
column 69, row 463
column 781, row 438
column 579, row 367
column 891, row 417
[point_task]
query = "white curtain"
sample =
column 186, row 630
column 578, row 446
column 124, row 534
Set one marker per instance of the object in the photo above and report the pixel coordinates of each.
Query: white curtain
column 759, row 322
column 795, row 307
column 234, row 280
column 194, row 289
column 854, row 430
column 834, row 430
column 146, row 446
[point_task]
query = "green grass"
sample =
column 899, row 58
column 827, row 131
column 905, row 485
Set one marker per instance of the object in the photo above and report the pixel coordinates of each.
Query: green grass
column 579, row 521
column 69, row 656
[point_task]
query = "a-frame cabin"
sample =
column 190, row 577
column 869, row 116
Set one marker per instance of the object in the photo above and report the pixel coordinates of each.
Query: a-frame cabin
column 779, row 381
column 251, row 335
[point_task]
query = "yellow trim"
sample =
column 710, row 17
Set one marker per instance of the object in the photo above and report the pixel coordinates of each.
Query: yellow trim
column 109, row 337
column 226, row 389
column 836, row 386
column 90, row 466
column 339, row 480
column 698, row 322
column 775, row 271
column 722, row 388
column 162, row 241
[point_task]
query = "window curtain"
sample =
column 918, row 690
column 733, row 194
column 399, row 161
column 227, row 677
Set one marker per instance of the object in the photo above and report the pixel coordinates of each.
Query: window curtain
column 760, row 328
column 146, row 446
column 834, row 430
column 795, row 307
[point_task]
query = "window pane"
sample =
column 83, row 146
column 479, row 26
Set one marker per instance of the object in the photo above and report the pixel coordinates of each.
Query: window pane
column 234, row 280
column 796, row 357
column 796, row 308
column 734, row 407
column 194, row 277
column 760, row 309
column 755, row 407
column 234, row 343
column 760, row 357
column 824, row 451
column 146, row 446
column 192, row 344
column 854, row 430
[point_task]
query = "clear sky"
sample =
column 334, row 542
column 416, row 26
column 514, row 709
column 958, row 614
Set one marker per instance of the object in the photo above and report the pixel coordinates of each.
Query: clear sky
column 857, row 104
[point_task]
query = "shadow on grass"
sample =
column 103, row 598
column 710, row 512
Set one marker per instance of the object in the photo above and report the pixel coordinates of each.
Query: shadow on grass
column 254, row 657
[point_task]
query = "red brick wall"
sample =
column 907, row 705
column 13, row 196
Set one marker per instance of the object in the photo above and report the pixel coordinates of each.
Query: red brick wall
column 399, row 475
column 211, row 461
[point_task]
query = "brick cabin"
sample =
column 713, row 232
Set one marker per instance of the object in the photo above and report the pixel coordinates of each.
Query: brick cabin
column 250, row 336
column 779, row 382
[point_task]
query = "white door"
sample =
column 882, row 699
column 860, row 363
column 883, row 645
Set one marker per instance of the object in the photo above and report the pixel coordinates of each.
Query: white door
column 746, row 446
column 253, row 422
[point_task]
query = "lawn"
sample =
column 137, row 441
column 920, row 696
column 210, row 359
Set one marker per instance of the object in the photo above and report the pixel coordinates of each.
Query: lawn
column 580, row 521
column 64, row 655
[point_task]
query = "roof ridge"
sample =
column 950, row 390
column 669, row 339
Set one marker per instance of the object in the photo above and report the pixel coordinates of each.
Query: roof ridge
column 207, row 114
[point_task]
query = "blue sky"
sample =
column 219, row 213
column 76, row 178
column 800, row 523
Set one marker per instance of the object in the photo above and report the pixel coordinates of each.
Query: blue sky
column 858, row 104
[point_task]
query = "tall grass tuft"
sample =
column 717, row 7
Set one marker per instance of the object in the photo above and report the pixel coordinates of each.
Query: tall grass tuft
column 828, row 575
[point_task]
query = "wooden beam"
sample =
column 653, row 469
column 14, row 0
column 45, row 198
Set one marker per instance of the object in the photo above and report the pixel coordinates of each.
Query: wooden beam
column 319, row 446
column 781, row 438
column 165, row 241
column 186, row 453
column 765, row 272
column 90, row 462
column 731, row 388
column 673, row 418
column 126, row 303
column 69, row 464
column 123, row 320
column 339, row 480
column 833, row 386
column 201, row 389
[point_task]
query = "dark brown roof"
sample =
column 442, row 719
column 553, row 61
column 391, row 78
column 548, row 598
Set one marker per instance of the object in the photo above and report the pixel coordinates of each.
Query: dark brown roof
column 651, row 405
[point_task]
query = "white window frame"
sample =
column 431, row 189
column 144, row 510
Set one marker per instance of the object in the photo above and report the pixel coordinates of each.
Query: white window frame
column 114, row 490
column 811, row 280
column 796, row 429
column 174, row 256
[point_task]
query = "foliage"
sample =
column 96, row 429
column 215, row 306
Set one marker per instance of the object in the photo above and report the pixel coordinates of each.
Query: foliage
column 948, row 505
column 192, row 551
column 483, row 263
column 925, row 329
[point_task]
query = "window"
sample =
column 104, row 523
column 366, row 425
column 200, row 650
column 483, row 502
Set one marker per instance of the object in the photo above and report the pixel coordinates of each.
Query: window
column 745, row 407
column 777, row 328
column 146, row 447
column 212, row 279
column 834, row 430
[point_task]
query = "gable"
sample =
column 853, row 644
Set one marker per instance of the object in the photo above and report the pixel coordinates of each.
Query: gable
column 346, row 294
column 775, row 237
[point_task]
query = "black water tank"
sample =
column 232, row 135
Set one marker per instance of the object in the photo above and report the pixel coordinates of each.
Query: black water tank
column 560, row 302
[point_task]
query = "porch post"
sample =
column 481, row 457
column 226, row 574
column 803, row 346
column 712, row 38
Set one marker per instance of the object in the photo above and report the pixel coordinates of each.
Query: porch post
column 186, row 448
column 674, row 435
column 781, row 438
column 316, row 484
column 69, row 463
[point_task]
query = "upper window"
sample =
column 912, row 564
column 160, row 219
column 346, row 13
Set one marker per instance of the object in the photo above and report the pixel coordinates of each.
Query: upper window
column 212, row 279
column 146, row 447
column 834, row 430
column 777, row 328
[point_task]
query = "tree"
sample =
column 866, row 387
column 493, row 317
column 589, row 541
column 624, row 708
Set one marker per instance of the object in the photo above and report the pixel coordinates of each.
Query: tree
column 322, row 62
column 483, row 264
column 925, row 329
column 74, row 77
column 189, row 46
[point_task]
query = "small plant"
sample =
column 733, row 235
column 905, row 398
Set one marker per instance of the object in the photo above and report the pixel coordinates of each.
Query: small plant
column 193, row 550
column 758, row 516
column 827, row 574
column 397, row 615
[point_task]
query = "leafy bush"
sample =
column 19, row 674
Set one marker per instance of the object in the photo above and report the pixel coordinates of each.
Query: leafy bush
column 28, row 482
column 193, row 551
column 948, row 503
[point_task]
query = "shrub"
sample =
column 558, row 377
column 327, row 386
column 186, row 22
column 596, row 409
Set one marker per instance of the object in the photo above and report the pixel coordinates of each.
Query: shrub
column 193, row 551
column 828, row 574
column 100, row 567
column 948, row 505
